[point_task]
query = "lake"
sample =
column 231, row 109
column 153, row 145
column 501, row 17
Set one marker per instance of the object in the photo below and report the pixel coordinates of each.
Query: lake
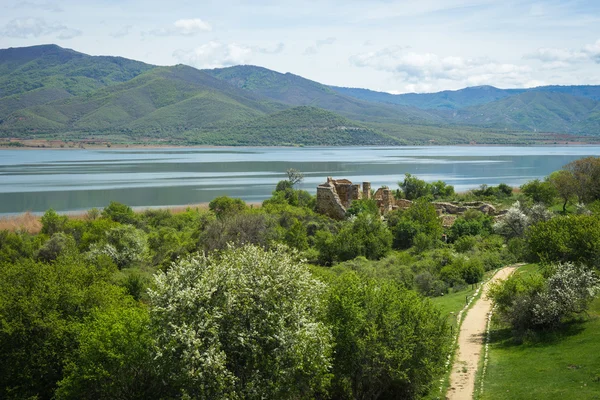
column 71, row 180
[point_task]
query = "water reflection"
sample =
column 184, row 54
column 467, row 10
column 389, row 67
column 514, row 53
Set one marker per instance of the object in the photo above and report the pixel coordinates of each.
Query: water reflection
column 35, row 180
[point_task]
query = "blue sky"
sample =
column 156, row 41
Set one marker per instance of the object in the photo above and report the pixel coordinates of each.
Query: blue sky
column 393, row 46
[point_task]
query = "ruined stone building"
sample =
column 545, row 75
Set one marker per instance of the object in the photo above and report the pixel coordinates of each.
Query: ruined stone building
column 335, row 196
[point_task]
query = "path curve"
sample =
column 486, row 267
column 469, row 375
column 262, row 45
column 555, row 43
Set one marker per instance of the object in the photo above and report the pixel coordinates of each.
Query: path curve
column 470, row 342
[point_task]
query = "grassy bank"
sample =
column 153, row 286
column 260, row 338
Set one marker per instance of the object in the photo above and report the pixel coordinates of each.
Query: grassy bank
column 559, row 365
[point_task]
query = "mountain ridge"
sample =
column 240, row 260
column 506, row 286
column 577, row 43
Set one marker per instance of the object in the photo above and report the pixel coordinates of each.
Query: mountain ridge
column 50, row 91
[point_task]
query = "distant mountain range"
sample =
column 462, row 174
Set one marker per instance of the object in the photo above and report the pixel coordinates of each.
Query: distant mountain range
column 48, row 91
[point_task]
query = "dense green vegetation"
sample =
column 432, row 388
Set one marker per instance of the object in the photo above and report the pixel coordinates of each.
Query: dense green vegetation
column 278, row 301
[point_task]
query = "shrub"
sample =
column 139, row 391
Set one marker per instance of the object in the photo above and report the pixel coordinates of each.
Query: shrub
column 52, row 222
column 225, row 206
column 55, row 246
column 389, row 342
column 533, row 303
column 119, row 213
column 241, row 324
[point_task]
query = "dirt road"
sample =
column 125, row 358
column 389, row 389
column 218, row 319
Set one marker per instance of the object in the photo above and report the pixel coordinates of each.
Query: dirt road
column 470, row 343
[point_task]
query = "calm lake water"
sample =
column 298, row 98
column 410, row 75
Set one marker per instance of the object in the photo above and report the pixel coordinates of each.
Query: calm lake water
column 70, row 180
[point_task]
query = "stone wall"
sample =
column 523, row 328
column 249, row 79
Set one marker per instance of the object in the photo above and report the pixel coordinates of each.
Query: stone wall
column 335, row 196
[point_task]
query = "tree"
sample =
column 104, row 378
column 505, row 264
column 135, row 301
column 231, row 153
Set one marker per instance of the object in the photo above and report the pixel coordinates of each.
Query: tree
column 43, row 306
column 124, row 244
column 574, row 238
column 242, row 324
column 294, row 176
column 224, row 206
column 540, row 191
column 586, row 173
column 413, row 187
column 565, row 185
column 365, row 235
column 513, row 223
column 421, row 217
column 389, row 342
column 114, row 358
column 119, row 212
column 52, row 222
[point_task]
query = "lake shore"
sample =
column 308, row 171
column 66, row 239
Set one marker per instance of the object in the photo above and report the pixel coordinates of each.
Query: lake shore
column 95, row 144
column 32, row 222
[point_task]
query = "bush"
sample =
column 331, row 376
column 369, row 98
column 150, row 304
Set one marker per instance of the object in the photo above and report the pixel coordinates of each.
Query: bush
column 540, row 192
column 365, row 235
column 225, row 206
column 124, row 244
column 389, row 342
column 119, row 213
column 466, row 243
column 242, row 324
column 574, row 238
column 55, row 246
column 533, row 303
column 52, row 222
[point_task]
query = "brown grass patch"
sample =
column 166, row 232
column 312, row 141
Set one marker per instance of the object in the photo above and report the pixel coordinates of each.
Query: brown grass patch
column 23, row 223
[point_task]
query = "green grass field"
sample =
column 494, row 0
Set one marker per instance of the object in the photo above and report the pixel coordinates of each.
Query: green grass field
column 561, row 365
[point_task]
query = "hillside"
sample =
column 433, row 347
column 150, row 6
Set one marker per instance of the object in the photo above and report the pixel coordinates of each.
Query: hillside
column 303, row 125
column 50, row 92
column 295, row 90
column 463, row 98
column 165, row 98
column 537, row 111
column 445, row 100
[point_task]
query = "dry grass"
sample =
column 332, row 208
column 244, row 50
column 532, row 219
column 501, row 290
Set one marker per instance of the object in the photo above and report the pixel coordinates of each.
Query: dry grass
column 24, row 223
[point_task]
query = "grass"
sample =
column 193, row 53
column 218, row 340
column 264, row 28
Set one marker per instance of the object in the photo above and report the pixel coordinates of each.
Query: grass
column 451, row 304
column 557, row 365
column 26, row 222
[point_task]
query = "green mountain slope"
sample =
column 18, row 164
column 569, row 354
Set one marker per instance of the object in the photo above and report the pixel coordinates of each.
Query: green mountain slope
column 536, row 111
column 165, row 98
column 446, row 100
column 48, row 91
column 49, row 66
column 458, row 99
column 297, row 91
column 301, row 125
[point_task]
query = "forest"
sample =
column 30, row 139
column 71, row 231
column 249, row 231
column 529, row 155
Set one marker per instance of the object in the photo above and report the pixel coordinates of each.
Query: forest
column 280, row 302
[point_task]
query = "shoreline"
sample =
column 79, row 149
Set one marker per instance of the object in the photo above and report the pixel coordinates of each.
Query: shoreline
column 31, row 222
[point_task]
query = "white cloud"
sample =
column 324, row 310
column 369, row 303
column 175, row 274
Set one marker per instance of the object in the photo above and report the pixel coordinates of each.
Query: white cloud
column 45, row 6
column 26, row 28
column 556, row 58
column 215, row 54
column 314, row 49
column 184, row 27
column 427, row 71
column 122, row 32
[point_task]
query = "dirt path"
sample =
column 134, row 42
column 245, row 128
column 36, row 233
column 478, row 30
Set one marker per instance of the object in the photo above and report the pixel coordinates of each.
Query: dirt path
column 470, row 343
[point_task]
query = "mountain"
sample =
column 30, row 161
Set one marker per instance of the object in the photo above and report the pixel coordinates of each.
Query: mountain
column 536, row 110
column 295, row 90
column 302, row 125
column 446, row 100
column 51, row 92
column 463, row 98
column 165, row 98
column 55, row 91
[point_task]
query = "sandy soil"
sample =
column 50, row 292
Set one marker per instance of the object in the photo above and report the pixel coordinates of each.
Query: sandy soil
column 470, row 343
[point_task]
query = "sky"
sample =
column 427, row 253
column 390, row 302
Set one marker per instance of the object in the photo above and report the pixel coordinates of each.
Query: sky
column 385, row 45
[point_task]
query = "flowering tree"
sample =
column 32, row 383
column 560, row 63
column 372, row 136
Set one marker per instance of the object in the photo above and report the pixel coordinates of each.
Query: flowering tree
column 241, row 324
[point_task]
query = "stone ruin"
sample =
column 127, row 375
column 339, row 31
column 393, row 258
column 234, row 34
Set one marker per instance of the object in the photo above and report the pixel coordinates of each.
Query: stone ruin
column 335, row 196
